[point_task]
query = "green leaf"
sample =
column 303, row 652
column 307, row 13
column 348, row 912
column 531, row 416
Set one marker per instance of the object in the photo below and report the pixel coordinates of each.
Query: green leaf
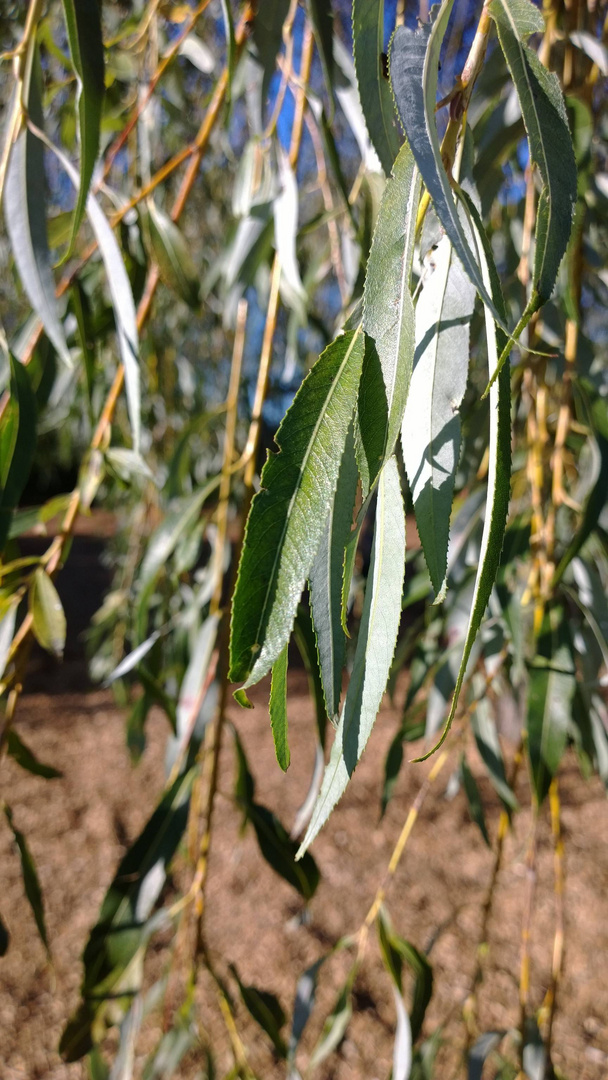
column 375, row 648
column 326, row 579
column 551, row 689
column 482, row 1049
column 172, row 256
column 306, row 992
column 267, row 35
column 231, row 52
column 546, row 122
column 488, row 744
column 474, row 802
column 123, row 928
column 278, row 708
column 266, row 1010
column 288, row 515
column 180, row 520
column 596, row 502
column 334, row 1028
column 24, row 757
column 25, row 216
column 17, row 444
column 414, row 61
column 122, row 299
column 499, row 464
column 388, row 312
column 322, row 19
column 47, row 613
column 276, row 846
column 304, row 637
column 431, row 424
column 31, row 883
column 83, row 22
column 374, row 88
column 395, row 950
column 8, row 618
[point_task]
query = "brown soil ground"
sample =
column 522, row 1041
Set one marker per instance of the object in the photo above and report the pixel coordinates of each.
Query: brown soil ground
column 79, row 826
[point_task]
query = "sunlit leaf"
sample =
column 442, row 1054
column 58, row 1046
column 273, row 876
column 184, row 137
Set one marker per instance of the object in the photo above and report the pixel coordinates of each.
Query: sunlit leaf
column 552, row 684
column 288, row 515
column 375, row 648
column 17, row 444
column 334, row 1028
column 25, row 217
column 47, row 613
column 171, row 253
column 278, row 709
column 83, row 22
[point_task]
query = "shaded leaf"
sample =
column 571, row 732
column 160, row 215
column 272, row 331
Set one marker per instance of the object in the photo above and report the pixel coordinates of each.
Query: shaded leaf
column 31, row 883
column 499, row 463
column 278, row 709
column 488, row 744
column 388, row 311
column 395, row 950
column 288, row 515
column 326, row 580
column 267, row 35
column 17, row 443
column 25, row 216
column 83, row 22
column 551, row 688
column 322, row 19
column 24, row 757
column 375, row 648
column 482, row 1049
column 172, row 256
column 334, row 1028
column 306, row 991
column 546, row 122
column 474, row 802
column 47, row 613
column 431, row 424
column 123, row 927
column 373, row 85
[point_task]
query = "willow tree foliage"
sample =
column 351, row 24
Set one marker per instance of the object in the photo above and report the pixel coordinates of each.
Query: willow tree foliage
column 398, row 227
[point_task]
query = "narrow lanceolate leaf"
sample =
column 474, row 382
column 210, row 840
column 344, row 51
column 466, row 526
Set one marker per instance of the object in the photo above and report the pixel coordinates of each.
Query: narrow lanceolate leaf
column 326, row 579
column 375, row 648
column 172, row 256
column 374, row 87
column 122, row 928
column 288, row 515
column 414, row 64
column 17, row 444
column 47, row 613
column 322, row 19
column 431, row 424
column 395, row 950
column 551, row 689
column 230, row 42
column 83, row 22
column 278, row 709
column 388, row 311
column 31, row 883
column 499, row 463
column 25, row 218
column 546, row 122
column 122, row 299
column 473, row 797
column 267, row 34
column 488, row 744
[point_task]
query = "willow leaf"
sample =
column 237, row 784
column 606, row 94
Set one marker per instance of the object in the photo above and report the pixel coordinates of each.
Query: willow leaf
column 546, row 122
column 267, row 34
column 171, row 253
column 17, row 444
column 326, row 580
column 322, row 19
column 83, row 22
column 374, row 88
column 414, row 62
column 551, row 689
column 375, row 648
column 388, row 311
column 48, row 617
column 499, row 464
column 25, row 218
column 278, row 709
column 431, row 424
column 122, row 299
column 288, row 515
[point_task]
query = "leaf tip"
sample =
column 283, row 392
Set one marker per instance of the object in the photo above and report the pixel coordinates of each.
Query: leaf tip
column 241, row 698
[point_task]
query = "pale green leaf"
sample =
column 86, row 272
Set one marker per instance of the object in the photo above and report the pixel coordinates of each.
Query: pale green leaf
column 488, row 744
column 17, row 444
column 431, row 423
column 47, row 613
column 278, row 708
column 414, row 64
column 388, row 312
column 83, row 22
column 544, row 114
column 374, row 88
column 171, row 254
column 326, row 580
column 499, row 463
column 375, row 648
column 288, row 515
column 551, row 689
column 25, row 218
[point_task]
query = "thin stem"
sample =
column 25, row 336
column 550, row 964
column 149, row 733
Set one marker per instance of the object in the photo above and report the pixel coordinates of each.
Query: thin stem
column 526, row 927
